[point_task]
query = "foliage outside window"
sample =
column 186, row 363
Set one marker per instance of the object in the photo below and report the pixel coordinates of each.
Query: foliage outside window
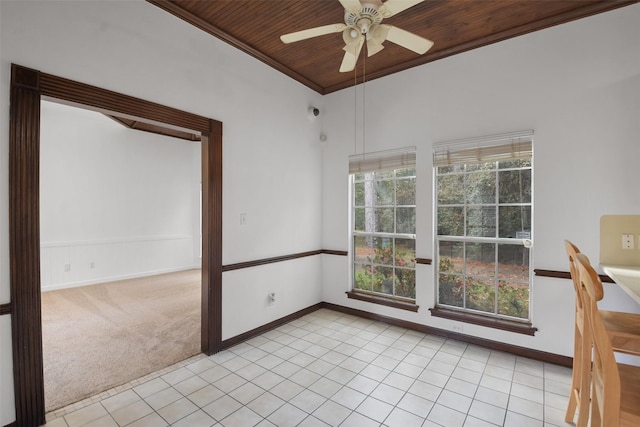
column 483, row 217
column 384, row 223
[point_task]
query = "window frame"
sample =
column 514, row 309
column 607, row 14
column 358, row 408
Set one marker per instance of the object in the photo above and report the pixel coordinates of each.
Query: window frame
column 372, row 296
column 464, row 313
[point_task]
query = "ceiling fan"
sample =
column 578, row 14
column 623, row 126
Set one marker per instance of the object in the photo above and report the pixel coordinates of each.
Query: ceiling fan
column 363, row 21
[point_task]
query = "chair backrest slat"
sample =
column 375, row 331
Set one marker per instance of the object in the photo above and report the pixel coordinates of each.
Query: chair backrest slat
column 605, row 375
column 572, row 251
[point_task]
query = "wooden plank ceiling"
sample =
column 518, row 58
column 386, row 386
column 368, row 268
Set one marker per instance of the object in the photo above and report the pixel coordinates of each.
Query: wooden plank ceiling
column 455, row 26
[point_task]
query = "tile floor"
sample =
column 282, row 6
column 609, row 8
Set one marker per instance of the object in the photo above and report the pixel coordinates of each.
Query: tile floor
column 328, row 368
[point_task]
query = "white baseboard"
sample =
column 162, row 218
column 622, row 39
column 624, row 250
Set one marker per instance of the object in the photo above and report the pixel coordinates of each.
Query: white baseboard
column 116, row 278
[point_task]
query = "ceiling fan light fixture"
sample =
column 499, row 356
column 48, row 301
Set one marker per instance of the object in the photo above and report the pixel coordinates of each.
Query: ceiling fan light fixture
column 351, row 36
column 373, row 47
column 378, row 33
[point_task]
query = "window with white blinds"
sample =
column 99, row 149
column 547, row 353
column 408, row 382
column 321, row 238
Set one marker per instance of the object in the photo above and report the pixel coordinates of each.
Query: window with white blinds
column 483, row 224
column 383, row 160
column 383, row 218
column 495, row 148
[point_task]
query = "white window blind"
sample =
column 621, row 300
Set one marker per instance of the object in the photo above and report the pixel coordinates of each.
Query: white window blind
column 383, row 160
column 511, row 146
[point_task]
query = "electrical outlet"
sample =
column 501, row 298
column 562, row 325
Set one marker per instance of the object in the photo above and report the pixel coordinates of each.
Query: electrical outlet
column 455, row 327
column 67, row 267
column 627, row 241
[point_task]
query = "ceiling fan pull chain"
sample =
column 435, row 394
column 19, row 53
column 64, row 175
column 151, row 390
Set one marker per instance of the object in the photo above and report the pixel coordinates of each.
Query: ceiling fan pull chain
column 364, row 79
column 355, row 110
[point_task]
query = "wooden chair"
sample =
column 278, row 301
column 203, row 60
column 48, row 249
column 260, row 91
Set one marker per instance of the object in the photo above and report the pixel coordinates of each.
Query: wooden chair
column 623, row 330
column 580, row 376
column 615, row 389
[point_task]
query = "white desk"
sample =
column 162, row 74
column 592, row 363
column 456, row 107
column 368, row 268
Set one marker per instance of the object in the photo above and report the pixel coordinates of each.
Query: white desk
column 628, row 277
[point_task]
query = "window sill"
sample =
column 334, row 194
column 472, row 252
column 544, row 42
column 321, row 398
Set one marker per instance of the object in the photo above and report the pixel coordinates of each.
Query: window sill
column 389, row 302
column 478, row 319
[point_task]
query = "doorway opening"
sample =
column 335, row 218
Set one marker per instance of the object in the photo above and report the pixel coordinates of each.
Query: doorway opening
column 120, row 227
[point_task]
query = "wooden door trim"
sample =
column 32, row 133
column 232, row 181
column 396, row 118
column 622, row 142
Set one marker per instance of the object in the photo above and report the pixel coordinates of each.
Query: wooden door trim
column 28, row 87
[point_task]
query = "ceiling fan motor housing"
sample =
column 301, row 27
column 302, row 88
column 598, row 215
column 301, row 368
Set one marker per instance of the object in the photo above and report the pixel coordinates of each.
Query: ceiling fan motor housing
column 364, row 18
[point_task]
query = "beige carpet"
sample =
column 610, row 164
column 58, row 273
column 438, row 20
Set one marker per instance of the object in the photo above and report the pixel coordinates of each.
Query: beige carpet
column 101, row 336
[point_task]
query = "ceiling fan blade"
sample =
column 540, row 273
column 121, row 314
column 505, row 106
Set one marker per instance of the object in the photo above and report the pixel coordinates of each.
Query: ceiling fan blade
column 351, row 55
column 408, row 40
column 312, row 32
column 392, row 7
column 351, row 5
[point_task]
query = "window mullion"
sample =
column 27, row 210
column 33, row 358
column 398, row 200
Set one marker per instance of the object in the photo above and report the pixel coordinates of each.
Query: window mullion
column 496, row 245
column 395, row 230
column 465, row 182
column 496, row 280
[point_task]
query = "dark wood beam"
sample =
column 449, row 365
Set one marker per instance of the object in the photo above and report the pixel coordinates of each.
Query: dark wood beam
column 24, row 246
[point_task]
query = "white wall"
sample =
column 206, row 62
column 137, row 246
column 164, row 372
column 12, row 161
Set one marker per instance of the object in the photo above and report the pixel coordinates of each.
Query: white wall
column 114, row 202
column 135, row 48
column 576, row 85
column 242, row 285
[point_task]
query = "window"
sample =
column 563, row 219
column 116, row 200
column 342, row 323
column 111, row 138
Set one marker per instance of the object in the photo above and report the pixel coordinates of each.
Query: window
column 383, row 218
column 483, row 225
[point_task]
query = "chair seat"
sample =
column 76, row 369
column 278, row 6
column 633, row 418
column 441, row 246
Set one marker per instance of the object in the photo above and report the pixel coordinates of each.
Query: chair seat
column 624, row 331
column 629, row 395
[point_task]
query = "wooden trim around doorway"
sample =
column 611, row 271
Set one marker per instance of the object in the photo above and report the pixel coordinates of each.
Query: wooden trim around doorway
column 28, row 87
